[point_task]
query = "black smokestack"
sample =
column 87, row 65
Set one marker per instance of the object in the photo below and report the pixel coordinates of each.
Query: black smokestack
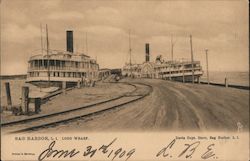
column 147, row 53
column 70, row 45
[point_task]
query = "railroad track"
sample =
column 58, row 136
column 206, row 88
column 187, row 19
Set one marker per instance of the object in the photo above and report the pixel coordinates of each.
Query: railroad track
column 51, row 120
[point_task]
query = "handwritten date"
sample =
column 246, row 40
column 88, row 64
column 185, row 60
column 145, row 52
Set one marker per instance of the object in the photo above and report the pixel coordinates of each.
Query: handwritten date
column 89, row 151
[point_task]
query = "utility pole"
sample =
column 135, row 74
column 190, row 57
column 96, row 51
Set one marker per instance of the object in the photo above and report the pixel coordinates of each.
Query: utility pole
column 192, row 58
column 130, row 52
column 48, row 62
column 206, row 50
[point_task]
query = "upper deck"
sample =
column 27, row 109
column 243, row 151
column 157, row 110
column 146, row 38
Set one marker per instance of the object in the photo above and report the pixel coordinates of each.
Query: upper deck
column 61, row 55
column 61, row 65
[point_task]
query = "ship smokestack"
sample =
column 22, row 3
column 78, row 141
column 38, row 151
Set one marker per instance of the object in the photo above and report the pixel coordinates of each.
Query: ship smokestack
column 70, row 45
column 147, row 52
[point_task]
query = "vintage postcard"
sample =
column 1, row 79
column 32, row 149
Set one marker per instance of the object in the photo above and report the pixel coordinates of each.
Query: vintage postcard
column 124, row 80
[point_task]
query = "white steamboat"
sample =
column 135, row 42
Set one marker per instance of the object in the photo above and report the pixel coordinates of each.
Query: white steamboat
column 52, row 67
column 182, row 70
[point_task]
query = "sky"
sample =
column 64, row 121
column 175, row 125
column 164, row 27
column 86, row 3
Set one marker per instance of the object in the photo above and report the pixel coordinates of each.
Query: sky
column 221, row 26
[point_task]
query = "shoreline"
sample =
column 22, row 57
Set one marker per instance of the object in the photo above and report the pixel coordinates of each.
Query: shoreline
column 35, row 91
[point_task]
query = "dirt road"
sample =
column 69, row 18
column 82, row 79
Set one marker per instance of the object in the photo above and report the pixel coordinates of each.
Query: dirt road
column 173, row 106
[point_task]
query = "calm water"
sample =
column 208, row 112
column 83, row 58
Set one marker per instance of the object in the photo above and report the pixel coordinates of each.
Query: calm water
column 16, row 89
column 236, row 78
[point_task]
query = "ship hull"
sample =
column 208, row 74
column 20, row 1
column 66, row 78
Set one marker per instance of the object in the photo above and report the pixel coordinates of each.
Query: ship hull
column 46, row 84
column 187, row 78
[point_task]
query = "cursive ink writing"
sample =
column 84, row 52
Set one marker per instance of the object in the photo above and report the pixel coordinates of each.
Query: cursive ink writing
column 106, row 149
column 187, row 152
column 190, row 149
column 110, row 151
column 89, row 151
column 164, row 151
column 50, row 152
column 209, row 153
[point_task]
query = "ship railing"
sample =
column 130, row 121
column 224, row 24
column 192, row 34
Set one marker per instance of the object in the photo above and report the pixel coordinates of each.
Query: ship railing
column 177, row 69
column 197, row 72
column 58, row 68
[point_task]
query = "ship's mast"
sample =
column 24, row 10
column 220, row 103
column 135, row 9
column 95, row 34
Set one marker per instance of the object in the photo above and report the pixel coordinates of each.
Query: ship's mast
column 41, row 38
column 48, row 62
column 130, row 50
column 83, row 45
column 172, row 49
column 86, row 41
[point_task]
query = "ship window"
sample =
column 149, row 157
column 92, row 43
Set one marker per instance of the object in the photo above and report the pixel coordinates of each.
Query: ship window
column 45, row 63
column 58, row 63
column 63, row 63
column 188, row 66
